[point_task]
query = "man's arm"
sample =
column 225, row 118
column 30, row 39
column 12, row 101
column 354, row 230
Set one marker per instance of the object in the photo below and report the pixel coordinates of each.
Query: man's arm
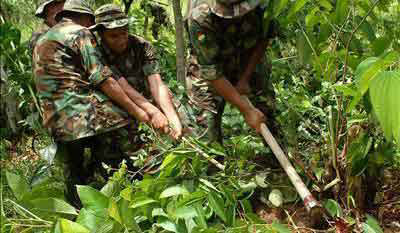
column 162, row 97
column 157, row 118
column 253, row 116
column 112, row 89
column 256, row 57
column 101, row 76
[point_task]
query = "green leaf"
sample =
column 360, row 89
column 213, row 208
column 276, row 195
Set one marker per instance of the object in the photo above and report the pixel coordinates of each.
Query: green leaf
column 279, row 5
column 185, row 212
column 371, row 225
column 89, row 219
column 296, row 7
column 380, row 45
column 142, row 201
column 113, row 211
column 385, row 94
column 374, row 69
column 128, row 216
column 110, row 188
column 53, row 205
column 126, row 193
column 217, row 205
column 18, row 185
column 304, row 50
column 92, row 198
column 167, row 224
column 333, row 208
column 158, row 212
column 280, row 228
column 174, row 191
column 342, row 8
column 66, row 226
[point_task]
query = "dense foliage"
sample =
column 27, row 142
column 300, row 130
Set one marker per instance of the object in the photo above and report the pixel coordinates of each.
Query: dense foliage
column 336, row 72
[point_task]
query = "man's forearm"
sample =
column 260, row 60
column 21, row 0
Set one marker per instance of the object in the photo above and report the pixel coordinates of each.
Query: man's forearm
column 112, row 89
column 255, row 58
column 230, row 94
column 163, row 98
column 137, row 98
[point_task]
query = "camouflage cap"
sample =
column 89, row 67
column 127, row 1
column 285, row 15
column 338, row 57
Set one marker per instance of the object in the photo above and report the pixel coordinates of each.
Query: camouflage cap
column 232, row 8
column 109, row 16
column 40, row 11
column 78, row 6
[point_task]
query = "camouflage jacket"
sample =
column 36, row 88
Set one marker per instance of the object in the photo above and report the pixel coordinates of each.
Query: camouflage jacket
column 222, row 46
column 35, row 36
column 136, row 64
column 67, row 70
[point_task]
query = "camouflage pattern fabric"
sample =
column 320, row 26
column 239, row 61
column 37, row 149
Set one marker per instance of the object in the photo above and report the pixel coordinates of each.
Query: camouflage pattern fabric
column 135, row 65
column 77, row 6
column 110, row 16
column 68, row 68
column 230, row 9
column 43, row 28
column 40, row 11
column 221, row 48
column 86, row 168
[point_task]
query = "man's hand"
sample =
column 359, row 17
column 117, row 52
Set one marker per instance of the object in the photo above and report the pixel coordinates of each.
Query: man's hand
column 254, row 118
column 159, row 121
column 243, row 87
column 176, row 131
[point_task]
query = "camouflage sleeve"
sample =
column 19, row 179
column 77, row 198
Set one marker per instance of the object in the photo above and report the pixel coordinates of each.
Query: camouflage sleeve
column 151, row 65
column 206, row 49
column 91, row 58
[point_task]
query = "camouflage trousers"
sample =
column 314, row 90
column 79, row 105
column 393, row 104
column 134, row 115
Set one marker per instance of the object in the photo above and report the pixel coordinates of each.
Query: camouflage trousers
column 80, row 161
column 209, row 106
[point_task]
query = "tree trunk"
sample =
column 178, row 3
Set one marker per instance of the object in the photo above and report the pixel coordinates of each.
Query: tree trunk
column 180, row 43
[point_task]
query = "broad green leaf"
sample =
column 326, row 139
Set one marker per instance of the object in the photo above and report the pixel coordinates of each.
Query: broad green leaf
column 296, row 7
column 373, row 70
column 126, row 193
column 67, row 226
column 326, row 4
column 185, row 212
column 89, row 219
column 174, row 191
column 169, row 159
column 313, row 17
column 128, row 216
column 167, row 224
column 279, row 5
column 158, row 212
column 110, row 188
column 304, row 49
column 385, row 96
column 217, row 205
column 371, row 225
column 92, row 198
column 333, row 208
column 280, row 228
column 142, row 201
column 53, row 205
column 276, row 197
column 342, row 8
column 17, row 184
column 380, row 45
column 346, row 89
column 113, row 211
column 209, row 184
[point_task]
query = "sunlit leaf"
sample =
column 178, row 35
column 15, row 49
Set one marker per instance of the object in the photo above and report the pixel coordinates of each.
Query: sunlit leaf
column 53, row 205
column 18, row 185
column 67, row 226
column 174, row 191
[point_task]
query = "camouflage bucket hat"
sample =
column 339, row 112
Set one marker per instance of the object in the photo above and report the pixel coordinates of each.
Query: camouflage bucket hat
column 42, row 6
column 78, row 6
column 110, row 16
column 232, row 8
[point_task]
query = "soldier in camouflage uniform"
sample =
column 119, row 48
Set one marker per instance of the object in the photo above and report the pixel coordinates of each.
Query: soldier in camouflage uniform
column 228, row 42
column 133, row 58
column 78, row 96
column 46, row 10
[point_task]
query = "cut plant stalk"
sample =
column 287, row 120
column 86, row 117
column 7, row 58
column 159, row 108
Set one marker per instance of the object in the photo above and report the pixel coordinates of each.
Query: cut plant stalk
column 308, row 199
